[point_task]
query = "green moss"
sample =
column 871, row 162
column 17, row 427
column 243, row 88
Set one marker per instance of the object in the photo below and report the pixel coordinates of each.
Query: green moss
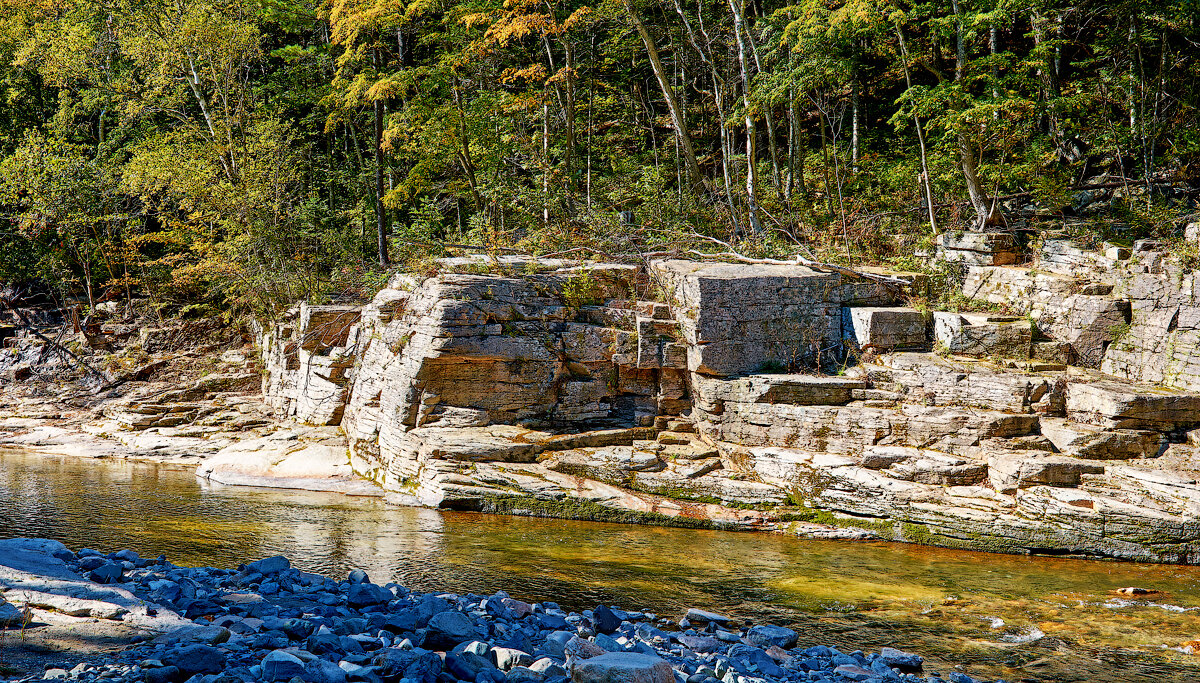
column 570, row 508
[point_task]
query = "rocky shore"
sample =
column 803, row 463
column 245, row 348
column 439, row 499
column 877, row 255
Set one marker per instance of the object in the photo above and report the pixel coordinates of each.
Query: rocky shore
column 268, row 621
column 1054, row 410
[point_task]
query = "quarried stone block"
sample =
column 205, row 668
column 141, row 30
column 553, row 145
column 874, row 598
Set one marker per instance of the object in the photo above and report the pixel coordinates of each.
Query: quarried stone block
column 886, row 328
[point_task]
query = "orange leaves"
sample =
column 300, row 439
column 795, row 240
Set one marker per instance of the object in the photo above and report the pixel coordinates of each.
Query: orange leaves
column 349, row 19
column 534, row 73
column 577, row 17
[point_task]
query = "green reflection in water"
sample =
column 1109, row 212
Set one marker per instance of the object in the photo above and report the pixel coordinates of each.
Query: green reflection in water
column 945, row 604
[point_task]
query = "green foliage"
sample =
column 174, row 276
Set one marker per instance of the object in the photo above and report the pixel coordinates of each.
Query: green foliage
column 242, row 154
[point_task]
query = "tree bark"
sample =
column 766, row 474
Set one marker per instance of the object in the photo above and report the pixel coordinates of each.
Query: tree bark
column 751, row 142
column 925, row 183
column 984, row 215
column 381, row 231
column 664, row 83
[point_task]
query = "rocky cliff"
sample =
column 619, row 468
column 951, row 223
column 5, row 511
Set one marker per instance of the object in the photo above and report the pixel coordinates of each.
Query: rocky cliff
column 772, row 396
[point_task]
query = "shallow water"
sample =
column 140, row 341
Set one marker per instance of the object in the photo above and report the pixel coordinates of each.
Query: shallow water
column 982, row 610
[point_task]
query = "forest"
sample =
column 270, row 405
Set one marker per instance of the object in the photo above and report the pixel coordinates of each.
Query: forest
column 238, row 155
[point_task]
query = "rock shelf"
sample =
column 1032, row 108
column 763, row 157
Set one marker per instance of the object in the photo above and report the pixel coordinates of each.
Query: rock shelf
column 1060, row 417
column 763, row 397
column 268, row 621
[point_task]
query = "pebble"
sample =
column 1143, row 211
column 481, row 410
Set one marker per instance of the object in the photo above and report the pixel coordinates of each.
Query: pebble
column 270, row 622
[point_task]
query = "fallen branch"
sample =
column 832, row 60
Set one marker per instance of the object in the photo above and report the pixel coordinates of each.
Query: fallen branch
column 798, row 260
column 105, row 382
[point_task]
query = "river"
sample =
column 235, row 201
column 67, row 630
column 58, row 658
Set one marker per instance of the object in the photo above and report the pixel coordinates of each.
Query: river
column 981, row 610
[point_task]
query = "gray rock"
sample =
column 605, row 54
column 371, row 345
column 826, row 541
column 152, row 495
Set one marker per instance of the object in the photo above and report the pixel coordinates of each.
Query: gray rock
column 106, row 573
column 447, row 629
column 607, row 643
column 556, row 642
column 10, row 615
column 207, row 635
column 704, row 616
column 905, row 661
column 578, row 649
column 162, row 674
column 477, row 647
column 699, row 643
column 418, row 664
column 854, row 672
column 466, row 665
column 767, row 635
column 322, row 671
column 364, row 594
column 523, row 674
column 270, row 566
column 604, row 619
column 623, row 667
column 547, row 667
column 358, row 576
column 193, row 659
column 279, row 665
column 505, row 658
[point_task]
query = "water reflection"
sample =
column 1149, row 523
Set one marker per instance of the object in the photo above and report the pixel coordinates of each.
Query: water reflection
column 972, row 607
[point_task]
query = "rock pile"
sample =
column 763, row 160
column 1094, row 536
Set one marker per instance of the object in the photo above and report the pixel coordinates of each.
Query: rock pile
column 268, row 621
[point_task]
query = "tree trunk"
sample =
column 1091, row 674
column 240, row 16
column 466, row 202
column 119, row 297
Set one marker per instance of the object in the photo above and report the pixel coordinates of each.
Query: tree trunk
column 854, row 103
column 380, row 214
column 926, row 187
column 664, row 83
column 970, row 164
column 751, row 146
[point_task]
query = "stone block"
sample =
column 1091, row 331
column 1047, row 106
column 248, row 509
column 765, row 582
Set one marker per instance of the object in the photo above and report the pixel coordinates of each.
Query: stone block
column 1014, row 470
column 885, row 328
column 1059, row 353
column 739, row 318
column 1054, row 301
column 970, row 334
column 658, row 345
column 1069, row 258
column 1119, row 405
column 790, row 389
column 1093, row 443
column 978, row 248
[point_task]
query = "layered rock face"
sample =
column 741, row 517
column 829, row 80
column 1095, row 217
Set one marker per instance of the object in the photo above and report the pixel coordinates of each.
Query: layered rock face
column 758, row 397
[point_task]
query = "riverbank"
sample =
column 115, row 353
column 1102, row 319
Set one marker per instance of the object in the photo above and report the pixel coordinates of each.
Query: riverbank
column 268, row 621
column 769, row 397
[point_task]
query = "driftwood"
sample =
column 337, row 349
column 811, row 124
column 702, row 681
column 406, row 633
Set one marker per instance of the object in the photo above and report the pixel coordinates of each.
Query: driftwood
column 798, row 260
column 103, row 379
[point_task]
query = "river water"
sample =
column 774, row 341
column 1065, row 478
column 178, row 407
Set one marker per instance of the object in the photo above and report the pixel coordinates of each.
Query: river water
column 996, row 615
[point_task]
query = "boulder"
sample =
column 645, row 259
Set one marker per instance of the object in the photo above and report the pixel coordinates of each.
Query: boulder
column 604, row 619
column 281, row 666
column 418, row 665
column 196, row 659
column 766, row 635
column 906, row 662
column 447, row 629
column 623, row 667
column 270, row 566
column 364, row 594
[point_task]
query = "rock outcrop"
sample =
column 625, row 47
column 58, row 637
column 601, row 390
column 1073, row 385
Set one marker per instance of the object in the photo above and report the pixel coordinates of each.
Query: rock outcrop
column 774, row 397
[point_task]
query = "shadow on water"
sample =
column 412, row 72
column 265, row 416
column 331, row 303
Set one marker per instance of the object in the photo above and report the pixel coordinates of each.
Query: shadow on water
column 1015, row 617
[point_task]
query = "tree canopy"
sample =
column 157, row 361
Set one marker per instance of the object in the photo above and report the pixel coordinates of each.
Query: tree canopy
column 246, row 153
